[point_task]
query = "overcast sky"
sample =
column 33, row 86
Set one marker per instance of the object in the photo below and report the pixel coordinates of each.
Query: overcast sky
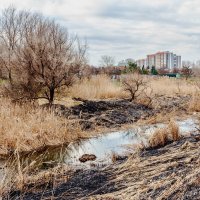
column 126, row 28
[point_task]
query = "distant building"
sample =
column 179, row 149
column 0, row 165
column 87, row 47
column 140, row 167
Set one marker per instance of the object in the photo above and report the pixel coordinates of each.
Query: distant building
column 165, row 59
column 151, row 60
column 142, row 63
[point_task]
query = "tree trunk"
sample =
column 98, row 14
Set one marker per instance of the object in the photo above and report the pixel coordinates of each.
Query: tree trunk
column 10, row 76
column 51, row 99
column 132, row 96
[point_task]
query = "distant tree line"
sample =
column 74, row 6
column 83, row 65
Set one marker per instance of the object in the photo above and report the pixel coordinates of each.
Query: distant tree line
column 185, row 71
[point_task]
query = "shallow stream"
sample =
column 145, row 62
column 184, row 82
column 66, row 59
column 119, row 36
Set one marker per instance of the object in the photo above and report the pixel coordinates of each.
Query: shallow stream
column 103, row 146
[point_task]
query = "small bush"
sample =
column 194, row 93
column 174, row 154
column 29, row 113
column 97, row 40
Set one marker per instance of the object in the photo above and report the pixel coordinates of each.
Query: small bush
column 164, row 135
column 174, row 130
column 135, row 85
column 159, row 138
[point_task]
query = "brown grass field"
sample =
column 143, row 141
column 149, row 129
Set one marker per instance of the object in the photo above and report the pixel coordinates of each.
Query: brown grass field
column 101, row 87
column 26, row 128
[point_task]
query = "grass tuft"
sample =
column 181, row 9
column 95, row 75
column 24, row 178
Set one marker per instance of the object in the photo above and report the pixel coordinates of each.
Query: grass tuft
column 174, row 130
column 26, row 128
column 159, row 138
column 194, row 104
column 164, row 135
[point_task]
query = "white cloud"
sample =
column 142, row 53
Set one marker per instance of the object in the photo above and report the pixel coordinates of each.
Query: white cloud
column 124, row 28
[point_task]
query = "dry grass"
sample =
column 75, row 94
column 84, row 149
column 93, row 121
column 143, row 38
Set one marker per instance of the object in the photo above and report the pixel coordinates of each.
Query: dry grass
column 194, row 104
column 163, row 135
column 102, row 87
column 151, row 175
column 159, row 138
column 171, row 86
column 174, row 130
column 25, row 128
column 98, row 87
column 157, row 176
column 18, row 175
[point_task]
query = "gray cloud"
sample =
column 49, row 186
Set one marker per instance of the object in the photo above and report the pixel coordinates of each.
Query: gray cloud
column 124, row 28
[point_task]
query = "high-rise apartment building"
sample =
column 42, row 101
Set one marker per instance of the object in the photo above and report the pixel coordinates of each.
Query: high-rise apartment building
column 151, row 60
column 165, row 59
column 142, row 63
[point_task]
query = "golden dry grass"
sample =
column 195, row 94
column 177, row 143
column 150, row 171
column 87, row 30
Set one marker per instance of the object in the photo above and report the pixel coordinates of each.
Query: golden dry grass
column 158, row 176
column 16, row 175
column 174, row 130
column 171, row 86
column 25, row 128
column 194, row 104
column 163, row 135
column 159, row 138
column 102, row 87
column 97, row 87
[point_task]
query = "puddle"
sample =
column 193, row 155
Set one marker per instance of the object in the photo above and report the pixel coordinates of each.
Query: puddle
column 103, row 146
column 117, row 142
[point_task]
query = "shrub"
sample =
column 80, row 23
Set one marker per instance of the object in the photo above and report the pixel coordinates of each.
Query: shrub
column 174, row 130
column 135, row 85
column 159, row 138
column 164, row 135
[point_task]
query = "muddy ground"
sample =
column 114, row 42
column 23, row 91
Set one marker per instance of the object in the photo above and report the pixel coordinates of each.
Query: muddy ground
column 115, row 113
column 171, row 172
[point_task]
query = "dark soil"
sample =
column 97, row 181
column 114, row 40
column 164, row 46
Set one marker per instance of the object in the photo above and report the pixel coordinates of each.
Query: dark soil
column 115, row 113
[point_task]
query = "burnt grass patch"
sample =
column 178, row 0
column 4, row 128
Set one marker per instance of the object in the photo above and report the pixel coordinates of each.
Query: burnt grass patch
column 115, row 113
column 81, row 184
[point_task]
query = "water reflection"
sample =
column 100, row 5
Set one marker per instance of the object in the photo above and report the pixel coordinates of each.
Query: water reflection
column 102, row 146
column 117, row 142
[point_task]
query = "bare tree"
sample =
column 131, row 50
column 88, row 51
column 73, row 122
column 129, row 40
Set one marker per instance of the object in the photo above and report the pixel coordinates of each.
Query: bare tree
column 45, row 59
column 187, row 71
column 9, row 36
column 136, row 85
column 107, row 61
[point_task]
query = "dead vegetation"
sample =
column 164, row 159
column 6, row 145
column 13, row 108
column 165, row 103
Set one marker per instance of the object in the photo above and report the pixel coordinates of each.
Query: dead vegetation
column 38, row 55
column 103, row 87
column 159, row 174
column 96, row 87
column 164, row 135
column 19, row 175
column 135, row 85
column 171, row 172
column 25, row 128
column 194, row 104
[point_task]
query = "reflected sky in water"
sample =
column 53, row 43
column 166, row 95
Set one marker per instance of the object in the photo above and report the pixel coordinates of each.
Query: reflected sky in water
column 117, row 142
column 103, row 147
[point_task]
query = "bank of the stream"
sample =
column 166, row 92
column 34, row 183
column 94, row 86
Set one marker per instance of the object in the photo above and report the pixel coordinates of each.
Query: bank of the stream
column 39, row 128
column 111, row 114
column 102, row 147
column 97, row 116
column 171, row 172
